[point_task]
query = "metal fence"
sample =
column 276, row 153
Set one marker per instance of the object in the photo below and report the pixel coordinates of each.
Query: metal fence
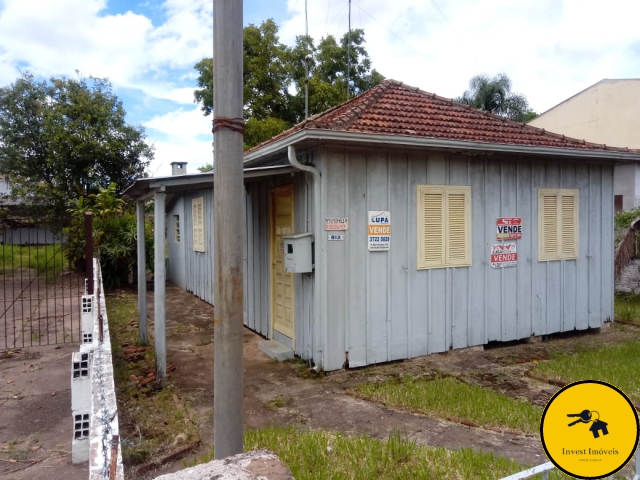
column 548, row 467
column 40, row 288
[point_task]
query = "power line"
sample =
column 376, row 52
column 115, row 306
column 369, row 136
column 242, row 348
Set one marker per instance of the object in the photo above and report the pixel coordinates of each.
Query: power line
column 326, row 20
column 392, row 32
column 349, row 51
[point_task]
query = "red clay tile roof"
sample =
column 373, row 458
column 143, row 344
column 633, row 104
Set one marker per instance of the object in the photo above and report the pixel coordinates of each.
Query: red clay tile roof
column 392, row 108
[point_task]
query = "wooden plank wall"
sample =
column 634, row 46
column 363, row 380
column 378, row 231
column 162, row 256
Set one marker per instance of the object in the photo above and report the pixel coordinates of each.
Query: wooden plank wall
column 379, row 307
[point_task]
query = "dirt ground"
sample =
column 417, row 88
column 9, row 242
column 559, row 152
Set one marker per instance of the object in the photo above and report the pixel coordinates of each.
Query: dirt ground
column 326, row 403
column 35, row 415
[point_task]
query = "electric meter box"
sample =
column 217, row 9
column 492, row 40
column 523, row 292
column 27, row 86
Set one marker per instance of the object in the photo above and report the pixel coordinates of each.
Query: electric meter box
column 298, row 253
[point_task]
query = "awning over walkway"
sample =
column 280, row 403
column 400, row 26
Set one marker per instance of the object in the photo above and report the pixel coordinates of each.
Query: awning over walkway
column 144, row 188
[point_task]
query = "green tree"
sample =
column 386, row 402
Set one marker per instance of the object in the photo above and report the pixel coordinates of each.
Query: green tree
column 274, row 76
column 64, row 138
column 494, row 95
column 114, row 235
column 207, row 167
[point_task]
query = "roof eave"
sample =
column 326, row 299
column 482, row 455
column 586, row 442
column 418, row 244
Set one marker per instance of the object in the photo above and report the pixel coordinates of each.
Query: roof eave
column 445, row 144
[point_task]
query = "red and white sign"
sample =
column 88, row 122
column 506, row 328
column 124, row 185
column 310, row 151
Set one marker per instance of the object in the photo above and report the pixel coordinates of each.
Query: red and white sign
column 504, row 255
column 336, row 224
column 509, row 228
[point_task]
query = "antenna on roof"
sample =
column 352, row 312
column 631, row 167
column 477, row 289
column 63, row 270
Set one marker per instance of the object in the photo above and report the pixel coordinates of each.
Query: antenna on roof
column 307, row 58
column 349, row 50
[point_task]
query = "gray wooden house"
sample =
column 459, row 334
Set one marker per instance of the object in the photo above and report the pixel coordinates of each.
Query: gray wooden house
column 401, row 224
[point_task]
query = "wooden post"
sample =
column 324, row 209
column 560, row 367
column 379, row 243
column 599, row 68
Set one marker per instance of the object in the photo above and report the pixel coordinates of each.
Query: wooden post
column 159, row 276
column 142, row 276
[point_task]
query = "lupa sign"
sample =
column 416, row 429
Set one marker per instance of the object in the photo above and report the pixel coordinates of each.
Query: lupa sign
column 379, row 231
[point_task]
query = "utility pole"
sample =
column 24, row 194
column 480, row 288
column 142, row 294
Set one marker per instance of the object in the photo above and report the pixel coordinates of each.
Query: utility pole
column 349, row 51
column 230, row 229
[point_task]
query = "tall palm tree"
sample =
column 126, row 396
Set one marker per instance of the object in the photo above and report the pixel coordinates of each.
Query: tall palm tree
column 494, row 95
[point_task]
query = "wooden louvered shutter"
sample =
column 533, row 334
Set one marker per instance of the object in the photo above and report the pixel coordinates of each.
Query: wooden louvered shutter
column 557, row 224
column 568, row 226
column 197, row 220
column 550, row 225
column 432, row 234
column 443, row 228
column 457, row 228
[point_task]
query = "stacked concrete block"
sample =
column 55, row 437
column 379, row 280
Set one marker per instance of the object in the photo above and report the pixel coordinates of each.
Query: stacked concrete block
column 80, row 405
column 87, row 318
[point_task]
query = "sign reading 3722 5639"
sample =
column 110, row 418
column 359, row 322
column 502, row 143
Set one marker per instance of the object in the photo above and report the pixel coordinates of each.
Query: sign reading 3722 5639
column 379, row 231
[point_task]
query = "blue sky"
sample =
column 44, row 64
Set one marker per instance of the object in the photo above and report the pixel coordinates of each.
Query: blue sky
column 551, row 49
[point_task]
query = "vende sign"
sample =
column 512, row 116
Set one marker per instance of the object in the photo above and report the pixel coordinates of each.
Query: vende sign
column 504, row 255
column 509, row 228
column 379, row 231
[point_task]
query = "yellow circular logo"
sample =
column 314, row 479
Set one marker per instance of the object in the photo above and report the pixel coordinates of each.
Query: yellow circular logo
column 589, row 429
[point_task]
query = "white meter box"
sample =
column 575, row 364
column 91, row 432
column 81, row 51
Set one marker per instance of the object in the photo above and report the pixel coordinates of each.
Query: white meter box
column 298, row 253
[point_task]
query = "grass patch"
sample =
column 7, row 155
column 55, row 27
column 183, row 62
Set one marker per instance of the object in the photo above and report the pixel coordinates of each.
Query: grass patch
column 318, row 455
column 162, row 418
column 452, row 399
column 48, row 260
column 627, row 307
column 615, row 364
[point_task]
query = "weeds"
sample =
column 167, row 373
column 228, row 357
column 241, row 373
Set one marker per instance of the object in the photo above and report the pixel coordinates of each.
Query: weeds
column 318, row 455
column 48, row 260
column 454, row 400
column 627, row 307
column 278, row 402
column 162, row 415
column 615, row 364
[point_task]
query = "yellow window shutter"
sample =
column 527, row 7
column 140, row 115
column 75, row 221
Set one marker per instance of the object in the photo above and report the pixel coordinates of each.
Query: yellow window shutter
column 197, row 219
column 457, row 219
column 557, row 224
column 568, row 226
column 550, row 225
column 432, row 229
column 444, row 226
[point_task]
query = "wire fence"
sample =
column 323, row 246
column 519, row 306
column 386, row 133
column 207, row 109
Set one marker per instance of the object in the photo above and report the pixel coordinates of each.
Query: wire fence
column 40, row 287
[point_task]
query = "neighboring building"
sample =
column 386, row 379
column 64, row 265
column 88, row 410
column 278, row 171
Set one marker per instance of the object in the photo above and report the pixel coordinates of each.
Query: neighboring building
column 401, row 191
column 608, row 113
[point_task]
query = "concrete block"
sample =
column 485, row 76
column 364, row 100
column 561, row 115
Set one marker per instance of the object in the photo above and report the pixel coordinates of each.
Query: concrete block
column 87, row 318
column 276, row 350
column 80, row 443
column 256, row 465
column 80, row 381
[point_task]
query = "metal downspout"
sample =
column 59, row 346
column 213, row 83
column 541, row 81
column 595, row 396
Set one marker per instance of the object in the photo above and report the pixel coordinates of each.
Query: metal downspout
column 317, row 213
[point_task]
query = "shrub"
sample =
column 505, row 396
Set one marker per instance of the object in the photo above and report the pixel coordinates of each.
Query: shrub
column 114, row 236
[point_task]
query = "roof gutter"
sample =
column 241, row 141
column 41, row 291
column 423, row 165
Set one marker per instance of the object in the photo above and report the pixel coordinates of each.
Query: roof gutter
column 443, row 144
column 318, row 282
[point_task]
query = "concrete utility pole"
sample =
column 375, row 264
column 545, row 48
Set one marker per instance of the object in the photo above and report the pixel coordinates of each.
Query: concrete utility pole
column 159, row 287
column 142, row 276
column 230, row 229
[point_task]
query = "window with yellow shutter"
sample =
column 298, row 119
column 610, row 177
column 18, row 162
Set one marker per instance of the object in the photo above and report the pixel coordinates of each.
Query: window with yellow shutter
column 557, row 224
column 197, row 220
column 444, row 226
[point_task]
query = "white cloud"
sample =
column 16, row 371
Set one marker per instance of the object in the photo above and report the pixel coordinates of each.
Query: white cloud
column 181, row 124
column 197, row 154
column 551, row 49
column 56, row 38
column 181, row 132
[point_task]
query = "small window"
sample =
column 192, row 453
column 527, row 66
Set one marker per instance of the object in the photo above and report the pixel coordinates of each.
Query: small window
column 444, row 226
column 197, row 218
column 176, row 228
column 557, row 224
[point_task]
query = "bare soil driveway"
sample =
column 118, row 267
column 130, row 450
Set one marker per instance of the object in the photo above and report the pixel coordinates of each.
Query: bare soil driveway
column 325, row 402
